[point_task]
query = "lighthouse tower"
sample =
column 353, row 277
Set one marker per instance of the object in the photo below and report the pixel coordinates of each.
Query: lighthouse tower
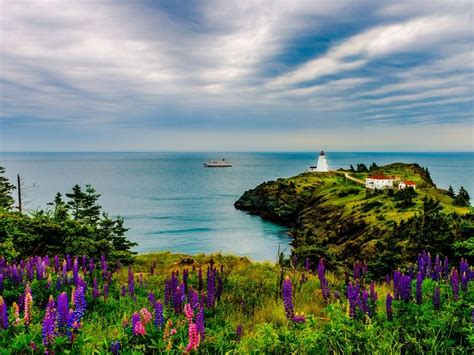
column 322, row 163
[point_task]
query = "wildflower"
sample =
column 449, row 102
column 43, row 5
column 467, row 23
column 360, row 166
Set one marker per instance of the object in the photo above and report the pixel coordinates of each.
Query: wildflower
column 193, row 336
column 159, row 319
column 405, row 288
column 137, row 326
column 28, row 305
column 288, row 298
column 115, row 347
column 299, row 318
column 145, row 316
column 131, row 282
column 200, row 323
column 239, row 331
column 3, row 314
column 123, row 291
column 455, row 283
column 95, row 289
column 49, row 324
column 151, row 298
column 353, row 299
column 436, row 275
column 75, row 272
column 437, row 298
column 188, row 312
column 323, row 281
column 419, row 284
column 446, row 267
column 63, row 310
column 364, row 303
column 178, row 298
column 193, row 299
column 16, row 313
column 200, row 283
column 396, row 284
column 56, row 264
column 210, row 289
column 1, row 281
column 388, row 306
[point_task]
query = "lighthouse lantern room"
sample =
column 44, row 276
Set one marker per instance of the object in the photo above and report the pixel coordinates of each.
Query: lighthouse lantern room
column 322, row 165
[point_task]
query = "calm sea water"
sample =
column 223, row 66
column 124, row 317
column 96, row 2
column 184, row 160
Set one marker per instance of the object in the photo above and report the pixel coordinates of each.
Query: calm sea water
column 170, row 202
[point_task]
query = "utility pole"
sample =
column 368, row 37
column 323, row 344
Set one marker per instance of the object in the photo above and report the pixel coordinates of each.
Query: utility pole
column 19, row 193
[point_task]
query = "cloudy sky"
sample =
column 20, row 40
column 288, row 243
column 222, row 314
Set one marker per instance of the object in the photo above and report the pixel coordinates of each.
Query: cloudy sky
column 236, row 75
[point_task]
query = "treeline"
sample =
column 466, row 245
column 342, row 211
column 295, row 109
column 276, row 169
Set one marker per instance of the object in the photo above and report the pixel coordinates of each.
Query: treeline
column 74, row 224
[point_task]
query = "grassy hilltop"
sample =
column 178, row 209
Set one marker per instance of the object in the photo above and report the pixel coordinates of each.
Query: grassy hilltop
column 333, row 216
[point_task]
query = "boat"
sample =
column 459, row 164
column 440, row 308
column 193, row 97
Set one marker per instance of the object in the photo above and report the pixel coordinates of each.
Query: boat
column 218, row 164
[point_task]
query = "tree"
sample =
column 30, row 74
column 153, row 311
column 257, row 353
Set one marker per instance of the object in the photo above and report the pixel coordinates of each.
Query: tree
column 361, row 168
column 6, row 189
column 61, row 210
column 462, row 198
column 352, row 168
column 451, row 191
column 373, row 166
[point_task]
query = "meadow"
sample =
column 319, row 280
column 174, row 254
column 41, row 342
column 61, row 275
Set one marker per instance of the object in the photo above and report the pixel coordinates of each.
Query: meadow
column 216, row 304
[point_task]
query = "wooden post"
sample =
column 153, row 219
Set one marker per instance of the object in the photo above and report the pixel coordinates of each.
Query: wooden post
column 19, row 193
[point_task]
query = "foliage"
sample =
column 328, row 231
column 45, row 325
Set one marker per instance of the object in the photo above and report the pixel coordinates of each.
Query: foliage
column 76, row 226
column 462, row 198
column 6, row 189
column 246, row 318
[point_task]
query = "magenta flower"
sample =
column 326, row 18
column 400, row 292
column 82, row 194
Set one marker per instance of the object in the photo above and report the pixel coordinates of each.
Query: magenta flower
column 193, row 336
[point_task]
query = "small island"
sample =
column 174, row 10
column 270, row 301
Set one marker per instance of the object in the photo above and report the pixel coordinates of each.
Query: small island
column 341, row 216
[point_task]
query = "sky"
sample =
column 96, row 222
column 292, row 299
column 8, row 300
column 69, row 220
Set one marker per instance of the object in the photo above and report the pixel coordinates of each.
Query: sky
column 366, row 75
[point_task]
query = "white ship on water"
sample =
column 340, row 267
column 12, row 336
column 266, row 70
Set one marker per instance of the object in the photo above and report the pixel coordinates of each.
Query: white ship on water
column 218, row 164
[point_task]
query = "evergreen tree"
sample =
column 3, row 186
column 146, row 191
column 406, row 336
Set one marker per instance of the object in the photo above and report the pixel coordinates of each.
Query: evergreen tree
column 352, row 168
column 462, row 198
column 361, row 168
column 61, row 210
column 76, row 201
column 451, row 191
column 373, row 166
column 6, row 189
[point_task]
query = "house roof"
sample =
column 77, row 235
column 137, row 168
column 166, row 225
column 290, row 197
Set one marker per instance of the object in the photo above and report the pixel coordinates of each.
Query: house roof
column 381, row 177
column 409, row 183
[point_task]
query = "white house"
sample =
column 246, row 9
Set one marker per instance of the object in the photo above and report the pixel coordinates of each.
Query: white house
column 406, row 183
column 322, row 165
column 379, row 182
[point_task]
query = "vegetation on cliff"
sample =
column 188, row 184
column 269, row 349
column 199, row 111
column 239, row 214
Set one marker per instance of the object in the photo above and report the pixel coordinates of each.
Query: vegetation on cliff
column 337, row 218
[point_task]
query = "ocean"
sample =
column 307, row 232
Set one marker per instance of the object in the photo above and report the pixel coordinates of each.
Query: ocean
column 171, row 202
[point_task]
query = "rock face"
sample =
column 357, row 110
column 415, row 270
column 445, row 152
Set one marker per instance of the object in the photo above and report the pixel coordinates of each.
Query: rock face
column 336, row 218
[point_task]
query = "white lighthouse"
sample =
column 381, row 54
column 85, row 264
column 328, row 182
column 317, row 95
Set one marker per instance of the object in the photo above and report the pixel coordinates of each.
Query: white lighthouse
column 322, row 164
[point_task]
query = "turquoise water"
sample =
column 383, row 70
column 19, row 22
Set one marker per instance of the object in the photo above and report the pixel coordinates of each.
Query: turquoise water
column 170, row 202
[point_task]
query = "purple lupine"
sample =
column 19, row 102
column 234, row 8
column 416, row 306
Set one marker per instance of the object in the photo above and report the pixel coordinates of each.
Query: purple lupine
column 387, row 279
column 419, row 285
column 200, row 282
column 455, row 283
column 131, row 282
column 436, row 275
column 463, row 266
column 80, row 304
column 151, row 298
column 437, row 298
column 287, row 294
column 364, row 303
column 178, row 298
column 323, row 281
column 159, row 319
column 396, row 284
column 63, row 310
column 428, row 265
column 123, row 291
column 405, row 288
column 185, row 280
column 353, row 292
column 49, row 324
column 1, row 281
column 84, row 264
column 388, row 306
column 193, row 298
column 115, row 347
column 211, row 293
column 95, row 289
column 307, row 265
column 3, row 314
column 219, row 286
column 200, row 323
column 135, row 320
column 239, row 331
